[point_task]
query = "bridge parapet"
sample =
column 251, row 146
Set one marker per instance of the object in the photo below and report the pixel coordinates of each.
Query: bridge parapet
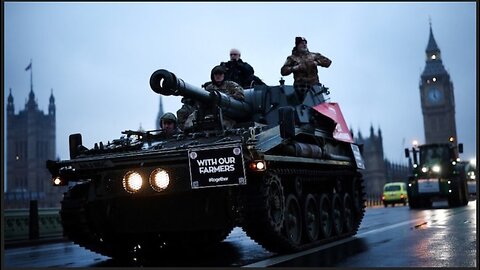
column 17, row 224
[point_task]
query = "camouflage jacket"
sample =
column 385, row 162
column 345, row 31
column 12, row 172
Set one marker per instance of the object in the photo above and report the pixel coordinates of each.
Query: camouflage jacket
column 183, row 113
column 228, row 87
column 307, row 72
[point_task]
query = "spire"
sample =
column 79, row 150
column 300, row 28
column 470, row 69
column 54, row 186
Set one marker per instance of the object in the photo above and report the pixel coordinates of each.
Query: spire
column 371, row 131
column 31, row 103
column 379, row 132
column 51, row 105
column 434, row 66
column 140, row 128
column 10, row 97
column 10, row 107
column 432, row 44
column 52, row 98
column 359, row 135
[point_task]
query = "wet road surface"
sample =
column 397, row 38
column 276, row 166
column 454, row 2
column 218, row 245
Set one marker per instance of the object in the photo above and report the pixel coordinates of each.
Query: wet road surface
column 388, row 237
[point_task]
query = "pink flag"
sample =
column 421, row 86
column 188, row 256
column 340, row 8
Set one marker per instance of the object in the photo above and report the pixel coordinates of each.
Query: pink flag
column 332, row 111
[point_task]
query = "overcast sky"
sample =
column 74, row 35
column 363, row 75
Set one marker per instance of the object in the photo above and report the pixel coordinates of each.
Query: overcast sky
column 98, row 58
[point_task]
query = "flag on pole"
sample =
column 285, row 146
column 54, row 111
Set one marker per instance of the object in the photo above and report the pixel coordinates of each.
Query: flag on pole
column 29, row 66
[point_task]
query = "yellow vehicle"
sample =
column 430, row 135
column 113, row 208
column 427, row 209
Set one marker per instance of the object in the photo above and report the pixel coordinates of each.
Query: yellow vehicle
column 395, row 192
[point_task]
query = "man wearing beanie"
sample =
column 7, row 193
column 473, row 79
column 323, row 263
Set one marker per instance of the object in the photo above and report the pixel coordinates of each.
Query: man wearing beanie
column 303, row 64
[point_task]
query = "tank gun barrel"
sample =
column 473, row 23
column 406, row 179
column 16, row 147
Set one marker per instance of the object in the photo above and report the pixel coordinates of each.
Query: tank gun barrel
column 166, row 83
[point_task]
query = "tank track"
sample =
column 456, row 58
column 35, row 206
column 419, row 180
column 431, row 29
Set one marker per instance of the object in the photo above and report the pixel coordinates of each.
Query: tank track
column 75, row 222
column 302, row 189
column 76, row 218
column 264, row 215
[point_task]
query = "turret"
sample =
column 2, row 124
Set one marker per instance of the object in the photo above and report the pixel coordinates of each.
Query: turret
column 270, row 105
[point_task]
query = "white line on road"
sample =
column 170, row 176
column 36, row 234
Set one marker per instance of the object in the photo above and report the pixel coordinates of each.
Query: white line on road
column 283, row 258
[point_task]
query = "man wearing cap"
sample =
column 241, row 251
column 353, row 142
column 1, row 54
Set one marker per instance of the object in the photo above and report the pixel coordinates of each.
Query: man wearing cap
column 303, row 64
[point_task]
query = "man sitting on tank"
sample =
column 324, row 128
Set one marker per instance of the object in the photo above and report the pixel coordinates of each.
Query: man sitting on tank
column 168, row 123
column 303, row 64
column 188, row 107
column 218, row 83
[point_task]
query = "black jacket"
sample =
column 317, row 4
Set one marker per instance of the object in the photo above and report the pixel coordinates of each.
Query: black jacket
column 239, row 72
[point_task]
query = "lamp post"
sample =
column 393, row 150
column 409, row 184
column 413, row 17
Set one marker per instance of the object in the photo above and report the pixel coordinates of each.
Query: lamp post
column 414, row 151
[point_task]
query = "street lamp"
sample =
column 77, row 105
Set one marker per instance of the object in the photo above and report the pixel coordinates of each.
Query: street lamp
column 414, row 151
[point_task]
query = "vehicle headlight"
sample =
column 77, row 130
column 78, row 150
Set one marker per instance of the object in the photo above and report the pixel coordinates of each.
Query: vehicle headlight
column 257, row 165
column 436, row 168
column 159, row 179
column 424, row 169
column 57, row 181
column 132, row 182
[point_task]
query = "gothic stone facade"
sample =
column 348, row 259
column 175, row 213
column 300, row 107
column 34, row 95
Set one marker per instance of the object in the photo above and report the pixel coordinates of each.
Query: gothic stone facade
column 30, row 143
column 378, row 169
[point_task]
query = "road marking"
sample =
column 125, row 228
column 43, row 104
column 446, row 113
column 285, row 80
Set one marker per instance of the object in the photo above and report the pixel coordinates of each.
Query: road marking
column 283, row 258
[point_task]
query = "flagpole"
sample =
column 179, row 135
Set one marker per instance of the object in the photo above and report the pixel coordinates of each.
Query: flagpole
column 31, row 75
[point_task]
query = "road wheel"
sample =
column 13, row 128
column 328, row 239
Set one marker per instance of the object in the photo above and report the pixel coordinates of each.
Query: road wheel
column 326, row 222
column 337, row 214
column 293, row 220
column 275, row 203
column 312, row 219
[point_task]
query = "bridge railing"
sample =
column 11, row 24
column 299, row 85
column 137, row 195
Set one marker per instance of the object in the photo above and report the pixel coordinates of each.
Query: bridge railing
column 19, row 226
column 33, row 223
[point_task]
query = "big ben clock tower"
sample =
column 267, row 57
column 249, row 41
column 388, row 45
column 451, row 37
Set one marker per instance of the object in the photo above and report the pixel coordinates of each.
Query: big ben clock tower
column 436, row 93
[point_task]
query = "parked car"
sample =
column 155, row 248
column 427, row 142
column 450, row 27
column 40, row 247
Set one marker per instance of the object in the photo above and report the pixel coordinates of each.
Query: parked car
column 395, row 192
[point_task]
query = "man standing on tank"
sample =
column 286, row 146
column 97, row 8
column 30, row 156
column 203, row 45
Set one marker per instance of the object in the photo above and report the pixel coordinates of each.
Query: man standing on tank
column 239, row 71
column 303, row 64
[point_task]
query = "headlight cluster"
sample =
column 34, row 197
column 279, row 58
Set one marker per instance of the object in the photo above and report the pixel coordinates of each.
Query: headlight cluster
column 133, row 181
column 435, row 168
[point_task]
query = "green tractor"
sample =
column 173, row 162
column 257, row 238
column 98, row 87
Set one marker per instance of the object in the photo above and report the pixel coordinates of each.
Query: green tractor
column 438, row 173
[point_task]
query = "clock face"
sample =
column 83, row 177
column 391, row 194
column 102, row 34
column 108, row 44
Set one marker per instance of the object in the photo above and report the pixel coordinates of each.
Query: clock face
column 434, row 95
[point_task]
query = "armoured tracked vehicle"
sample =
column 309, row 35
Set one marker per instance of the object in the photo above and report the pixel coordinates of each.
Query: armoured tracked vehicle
column 287, row 172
